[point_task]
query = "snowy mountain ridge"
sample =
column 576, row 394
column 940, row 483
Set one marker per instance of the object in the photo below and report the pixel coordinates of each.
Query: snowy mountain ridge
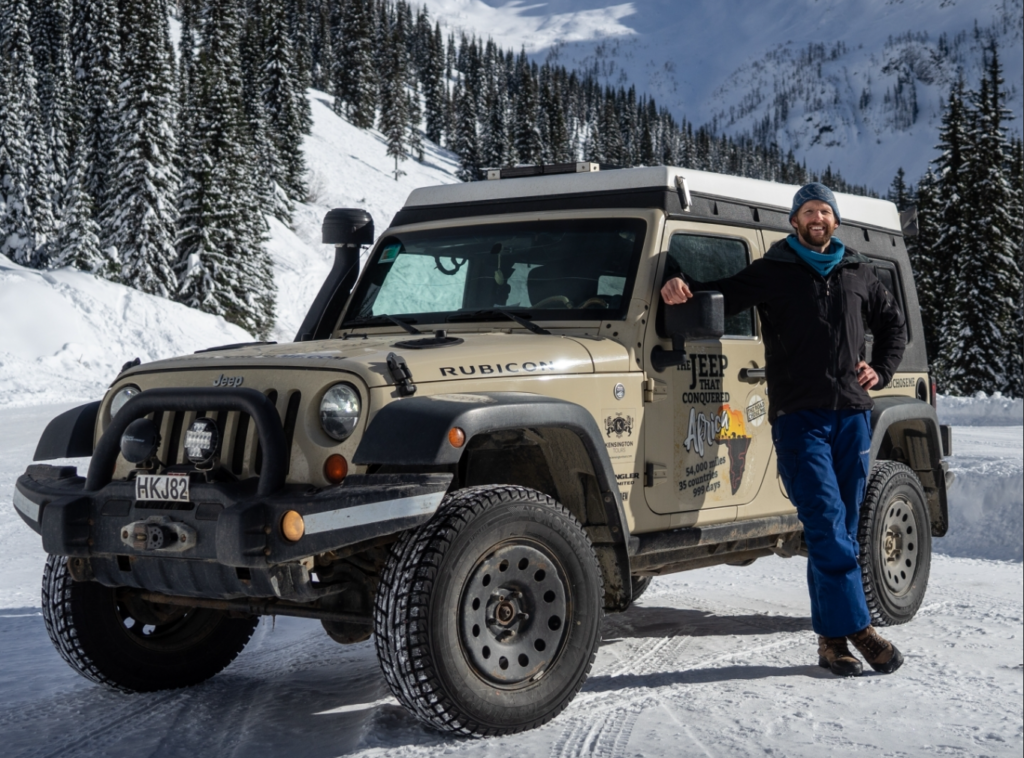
column 855, row 84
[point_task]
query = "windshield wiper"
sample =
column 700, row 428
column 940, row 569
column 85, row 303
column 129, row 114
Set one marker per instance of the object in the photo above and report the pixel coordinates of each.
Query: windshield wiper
column 499, row 312
column 383, row 317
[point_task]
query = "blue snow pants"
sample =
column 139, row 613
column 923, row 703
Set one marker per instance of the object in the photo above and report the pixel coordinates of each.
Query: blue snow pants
column 823, row 459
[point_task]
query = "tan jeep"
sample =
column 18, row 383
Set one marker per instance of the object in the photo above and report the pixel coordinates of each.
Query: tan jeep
column 492, row 437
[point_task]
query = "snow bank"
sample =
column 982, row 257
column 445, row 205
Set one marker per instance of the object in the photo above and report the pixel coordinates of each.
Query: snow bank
column 65, row 334
column 980, row 410
column 986, row 501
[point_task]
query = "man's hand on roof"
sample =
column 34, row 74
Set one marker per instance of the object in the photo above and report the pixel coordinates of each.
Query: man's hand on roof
column 675, row 292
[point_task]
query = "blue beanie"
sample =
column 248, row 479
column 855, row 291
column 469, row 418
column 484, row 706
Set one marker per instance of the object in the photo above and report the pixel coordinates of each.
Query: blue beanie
column 814, row 191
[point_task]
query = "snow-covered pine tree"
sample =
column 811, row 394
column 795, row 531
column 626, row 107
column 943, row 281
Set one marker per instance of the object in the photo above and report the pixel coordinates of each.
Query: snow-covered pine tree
column 28, row 224
column 529, row 144
column 96, row 63
column 78, row 242
column 466, row 141
column 986, row 351
column 321, row 39
column 223, row 267
column 355, row 82
column 496, row 144
column 15, row 214
column 283, row 98
column 50, row 29
column 395, row 121
column 928, row 275
column 952, row 235
column 899, row 193
column 298, row 16
column 435, row 94
column 145, row 180
column 260, row 142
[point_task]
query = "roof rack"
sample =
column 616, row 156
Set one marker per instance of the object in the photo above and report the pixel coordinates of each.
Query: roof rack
column 515, row 172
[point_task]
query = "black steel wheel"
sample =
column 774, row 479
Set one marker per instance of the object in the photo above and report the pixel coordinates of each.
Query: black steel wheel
column 488, row 617
column 895, row 544
column 114, row 638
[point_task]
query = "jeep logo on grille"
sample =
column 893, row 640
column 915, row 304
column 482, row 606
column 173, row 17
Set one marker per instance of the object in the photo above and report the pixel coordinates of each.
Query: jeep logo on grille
column 228, row 381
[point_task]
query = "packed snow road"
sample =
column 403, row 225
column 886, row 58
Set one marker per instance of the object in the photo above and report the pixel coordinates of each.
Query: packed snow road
column 713, row 662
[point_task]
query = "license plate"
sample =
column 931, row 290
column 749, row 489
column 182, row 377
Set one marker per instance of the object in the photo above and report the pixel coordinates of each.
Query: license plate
column 168, row 487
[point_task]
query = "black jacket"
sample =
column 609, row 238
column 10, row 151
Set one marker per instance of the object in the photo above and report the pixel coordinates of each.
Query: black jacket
column 813, row 328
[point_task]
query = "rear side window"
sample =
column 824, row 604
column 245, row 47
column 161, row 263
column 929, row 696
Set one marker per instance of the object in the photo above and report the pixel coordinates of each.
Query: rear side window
column 890, row 279
column 706, row 258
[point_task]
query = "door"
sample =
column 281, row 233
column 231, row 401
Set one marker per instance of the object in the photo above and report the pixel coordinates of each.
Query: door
column 709, row 451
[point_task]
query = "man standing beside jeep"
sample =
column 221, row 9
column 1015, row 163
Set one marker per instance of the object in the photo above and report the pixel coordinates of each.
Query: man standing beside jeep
column 811, row 292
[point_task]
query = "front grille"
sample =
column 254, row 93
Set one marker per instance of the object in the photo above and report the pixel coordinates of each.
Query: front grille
column 240, row 451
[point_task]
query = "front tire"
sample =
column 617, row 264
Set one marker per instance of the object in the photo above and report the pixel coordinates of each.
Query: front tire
column 895, row 544
column 488, row 617
column 130, row 645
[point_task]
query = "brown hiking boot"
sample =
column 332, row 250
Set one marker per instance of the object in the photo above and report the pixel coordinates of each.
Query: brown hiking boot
column 880, row 654
column 833, row 654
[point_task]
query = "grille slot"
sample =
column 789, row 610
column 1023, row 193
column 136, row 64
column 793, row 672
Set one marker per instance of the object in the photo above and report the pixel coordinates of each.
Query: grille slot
column 290, row 417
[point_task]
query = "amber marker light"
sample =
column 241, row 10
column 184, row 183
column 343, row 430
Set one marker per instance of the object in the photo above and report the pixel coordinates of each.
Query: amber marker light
column 456, row 437
column 335, row 468
column 292, row 526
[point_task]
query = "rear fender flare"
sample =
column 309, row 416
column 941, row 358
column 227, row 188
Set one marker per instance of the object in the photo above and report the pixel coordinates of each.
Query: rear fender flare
column 891, row 420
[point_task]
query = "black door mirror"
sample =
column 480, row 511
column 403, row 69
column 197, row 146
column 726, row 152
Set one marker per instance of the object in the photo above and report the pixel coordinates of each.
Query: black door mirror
column 702, row 318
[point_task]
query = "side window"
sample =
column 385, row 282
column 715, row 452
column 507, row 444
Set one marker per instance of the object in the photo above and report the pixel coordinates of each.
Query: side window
column 708, row 258
column 887, row 275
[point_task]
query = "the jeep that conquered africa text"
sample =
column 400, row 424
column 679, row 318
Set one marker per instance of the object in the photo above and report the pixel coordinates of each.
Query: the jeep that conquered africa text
column 491, row 436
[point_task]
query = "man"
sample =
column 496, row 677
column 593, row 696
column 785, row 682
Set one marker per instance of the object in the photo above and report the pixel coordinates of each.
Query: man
column 811, row 293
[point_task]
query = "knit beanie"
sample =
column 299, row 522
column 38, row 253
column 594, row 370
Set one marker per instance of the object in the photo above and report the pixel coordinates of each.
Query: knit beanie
column 815, row 191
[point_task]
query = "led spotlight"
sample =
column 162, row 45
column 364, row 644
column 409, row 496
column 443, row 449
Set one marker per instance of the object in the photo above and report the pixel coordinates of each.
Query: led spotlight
column 201, row 441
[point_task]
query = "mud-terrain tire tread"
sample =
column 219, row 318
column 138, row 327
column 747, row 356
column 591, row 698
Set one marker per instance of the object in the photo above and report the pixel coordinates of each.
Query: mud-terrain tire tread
column 401, row 620
column 59, row 618
column 885, row 475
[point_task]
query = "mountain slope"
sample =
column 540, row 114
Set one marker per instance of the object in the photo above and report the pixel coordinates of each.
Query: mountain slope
column 65, row 334
column 848, row 101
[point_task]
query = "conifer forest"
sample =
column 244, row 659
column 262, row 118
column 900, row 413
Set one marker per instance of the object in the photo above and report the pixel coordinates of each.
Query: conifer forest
column 153, row 163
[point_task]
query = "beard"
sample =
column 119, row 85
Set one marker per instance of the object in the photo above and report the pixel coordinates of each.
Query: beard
column 818, row 237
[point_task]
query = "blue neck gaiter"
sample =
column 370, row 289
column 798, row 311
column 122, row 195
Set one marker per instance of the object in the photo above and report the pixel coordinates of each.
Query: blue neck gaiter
column 823, row 263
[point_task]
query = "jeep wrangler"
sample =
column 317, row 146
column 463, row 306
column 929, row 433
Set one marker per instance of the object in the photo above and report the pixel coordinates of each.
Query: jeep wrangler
column 476, row 446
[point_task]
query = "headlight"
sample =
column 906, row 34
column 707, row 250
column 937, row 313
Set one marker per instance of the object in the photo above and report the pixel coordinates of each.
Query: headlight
column 123, row 396
column 339, row 411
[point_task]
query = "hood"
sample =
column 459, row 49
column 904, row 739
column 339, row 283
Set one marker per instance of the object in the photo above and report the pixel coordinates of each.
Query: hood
column 483, row 355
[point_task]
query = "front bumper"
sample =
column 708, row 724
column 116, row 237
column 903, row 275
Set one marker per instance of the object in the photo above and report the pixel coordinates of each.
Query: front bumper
column 238, row 550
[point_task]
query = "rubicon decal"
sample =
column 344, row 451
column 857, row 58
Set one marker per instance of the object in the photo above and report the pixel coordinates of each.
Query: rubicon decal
column 485, row 369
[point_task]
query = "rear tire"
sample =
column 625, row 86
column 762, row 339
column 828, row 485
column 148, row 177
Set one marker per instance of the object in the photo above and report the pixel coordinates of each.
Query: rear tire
column 487, row 619
column 131, row 645
column 895, row 544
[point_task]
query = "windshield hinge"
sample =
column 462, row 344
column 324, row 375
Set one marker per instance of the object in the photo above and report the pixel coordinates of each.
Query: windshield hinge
column 654, row 390
column 401, row 375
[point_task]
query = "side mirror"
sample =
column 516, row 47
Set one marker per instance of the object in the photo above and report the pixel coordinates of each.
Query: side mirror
column 908, row 222
column 702, row 318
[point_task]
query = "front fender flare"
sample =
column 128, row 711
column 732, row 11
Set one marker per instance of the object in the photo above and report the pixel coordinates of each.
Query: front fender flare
column 414, row 432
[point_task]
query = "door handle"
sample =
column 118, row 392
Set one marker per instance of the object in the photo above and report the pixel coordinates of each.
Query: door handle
column 757, row 374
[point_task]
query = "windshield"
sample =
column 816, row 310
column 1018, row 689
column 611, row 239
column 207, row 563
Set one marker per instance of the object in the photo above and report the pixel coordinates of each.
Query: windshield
column 552, row 270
